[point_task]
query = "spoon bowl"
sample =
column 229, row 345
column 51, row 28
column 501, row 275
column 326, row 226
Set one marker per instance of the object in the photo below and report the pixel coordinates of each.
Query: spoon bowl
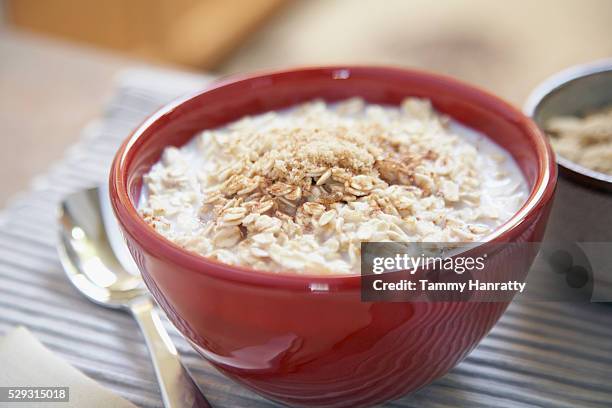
column 88, row 257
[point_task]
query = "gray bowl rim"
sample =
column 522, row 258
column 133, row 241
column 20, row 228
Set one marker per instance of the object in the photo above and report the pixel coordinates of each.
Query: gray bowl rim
column 580, row 174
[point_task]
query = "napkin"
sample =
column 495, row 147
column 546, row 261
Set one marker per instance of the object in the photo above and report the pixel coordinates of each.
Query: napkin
column 25, row 362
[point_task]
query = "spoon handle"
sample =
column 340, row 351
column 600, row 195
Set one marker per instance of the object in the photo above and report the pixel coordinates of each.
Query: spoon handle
column 177, row 388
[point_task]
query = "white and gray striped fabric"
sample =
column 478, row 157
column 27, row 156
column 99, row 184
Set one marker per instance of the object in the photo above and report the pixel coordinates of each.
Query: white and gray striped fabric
column 540, row 354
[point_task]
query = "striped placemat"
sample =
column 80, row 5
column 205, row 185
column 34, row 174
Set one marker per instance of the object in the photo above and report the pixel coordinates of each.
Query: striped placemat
column 540, row 354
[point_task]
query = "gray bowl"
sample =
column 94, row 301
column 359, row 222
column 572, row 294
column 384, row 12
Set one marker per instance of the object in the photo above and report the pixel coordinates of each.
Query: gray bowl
column 583, row 204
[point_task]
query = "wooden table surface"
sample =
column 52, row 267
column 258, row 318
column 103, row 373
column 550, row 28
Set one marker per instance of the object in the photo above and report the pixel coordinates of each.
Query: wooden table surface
column 505, row 46
column 49, row 89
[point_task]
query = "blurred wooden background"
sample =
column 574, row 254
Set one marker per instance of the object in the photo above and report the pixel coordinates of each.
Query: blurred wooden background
column 55, row 80
column 196, row 33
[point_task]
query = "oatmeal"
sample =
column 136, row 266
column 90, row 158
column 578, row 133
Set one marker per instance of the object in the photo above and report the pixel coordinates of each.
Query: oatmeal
column 586, row 141
column 298, row 190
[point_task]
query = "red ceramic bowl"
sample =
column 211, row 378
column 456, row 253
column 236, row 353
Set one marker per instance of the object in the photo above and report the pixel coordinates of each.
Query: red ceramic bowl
column 310, row 340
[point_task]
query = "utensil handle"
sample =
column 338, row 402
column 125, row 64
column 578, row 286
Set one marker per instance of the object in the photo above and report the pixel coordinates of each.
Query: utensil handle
column 177, row 388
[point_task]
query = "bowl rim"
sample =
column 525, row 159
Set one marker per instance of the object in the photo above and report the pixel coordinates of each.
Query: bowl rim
column 548, row 87
column 146, row 236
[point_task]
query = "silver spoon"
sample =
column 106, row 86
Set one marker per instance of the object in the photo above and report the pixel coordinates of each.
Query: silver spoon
column 97, row 263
